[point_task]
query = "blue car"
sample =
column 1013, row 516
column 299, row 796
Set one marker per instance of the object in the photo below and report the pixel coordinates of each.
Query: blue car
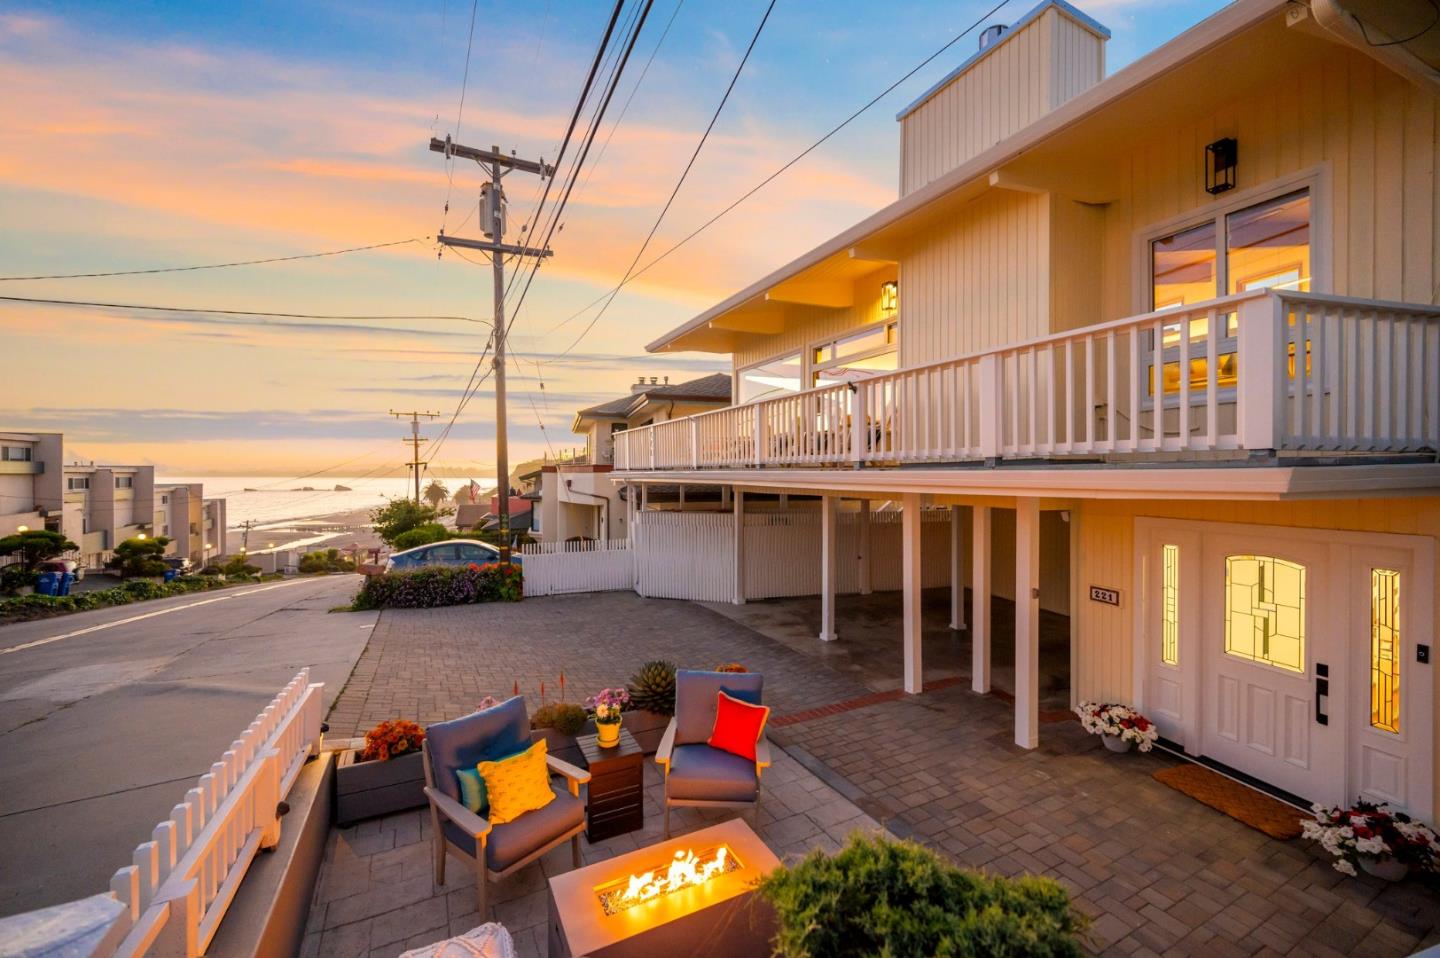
column 457, row 552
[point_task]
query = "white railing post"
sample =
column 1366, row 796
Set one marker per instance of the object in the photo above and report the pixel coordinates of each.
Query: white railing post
column 992, row 407
column 267, row 799
column 859, row 423
column 650, row 434
column 694, row 444
column 1262, row 373
column 179, row 936
column 758, row 431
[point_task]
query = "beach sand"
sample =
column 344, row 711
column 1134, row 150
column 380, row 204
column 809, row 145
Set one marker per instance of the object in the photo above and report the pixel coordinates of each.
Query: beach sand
column 339, row 530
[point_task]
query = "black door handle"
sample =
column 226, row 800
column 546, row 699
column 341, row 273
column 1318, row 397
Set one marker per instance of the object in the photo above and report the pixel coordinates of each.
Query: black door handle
column 1322, row 691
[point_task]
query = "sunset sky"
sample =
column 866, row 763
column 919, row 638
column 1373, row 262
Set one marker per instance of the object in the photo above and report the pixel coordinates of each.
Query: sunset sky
column 140, row 135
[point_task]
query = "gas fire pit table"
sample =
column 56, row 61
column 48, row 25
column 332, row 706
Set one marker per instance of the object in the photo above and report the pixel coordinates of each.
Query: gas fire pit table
column 690, row 895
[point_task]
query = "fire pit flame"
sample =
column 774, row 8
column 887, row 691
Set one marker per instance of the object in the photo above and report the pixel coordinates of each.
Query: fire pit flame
column 686, row 870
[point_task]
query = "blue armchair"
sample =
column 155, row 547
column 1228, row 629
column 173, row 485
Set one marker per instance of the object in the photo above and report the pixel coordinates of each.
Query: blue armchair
column 496, row 850
column 695, row 773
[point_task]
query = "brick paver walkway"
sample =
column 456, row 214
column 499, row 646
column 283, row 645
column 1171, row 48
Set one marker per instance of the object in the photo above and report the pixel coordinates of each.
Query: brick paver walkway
column 1159, row 872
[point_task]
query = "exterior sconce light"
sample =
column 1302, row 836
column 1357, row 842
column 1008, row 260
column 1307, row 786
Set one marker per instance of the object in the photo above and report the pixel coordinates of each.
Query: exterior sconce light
column 140, row 536
column 22, row 528
column 889, row 296
column 1221, row 158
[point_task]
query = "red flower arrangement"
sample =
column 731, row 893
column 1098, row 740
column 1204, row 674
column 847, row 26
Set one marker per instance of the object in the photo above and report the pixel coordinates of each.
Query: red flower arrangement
column 731, row 667
column 391, row 738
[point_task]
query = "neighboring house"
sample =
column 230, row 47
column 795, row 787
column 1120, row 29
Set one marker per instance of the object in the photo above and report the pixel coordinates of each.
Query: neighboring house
column 99, row 506
column 1165, row 346
column 576, row 499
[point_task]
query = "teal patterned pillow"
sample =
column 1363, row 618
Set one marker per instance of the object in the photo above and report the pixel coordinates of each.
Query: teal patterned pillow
column 472, row 791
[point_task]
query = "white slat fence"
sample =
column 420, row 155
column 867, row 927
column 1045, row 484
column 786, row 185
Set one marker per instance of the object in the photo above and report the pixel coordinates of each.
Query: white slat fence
column 558, row 568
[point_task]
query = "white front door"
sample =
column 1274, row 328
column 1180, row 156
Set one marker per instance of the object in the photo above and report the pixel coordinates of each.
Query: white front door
column 1300, row 657
column 1272, row 664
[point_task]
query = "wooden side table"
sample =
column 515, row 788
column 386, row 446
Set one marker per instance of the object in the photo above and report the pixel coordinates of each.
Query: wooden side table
column 615, row 796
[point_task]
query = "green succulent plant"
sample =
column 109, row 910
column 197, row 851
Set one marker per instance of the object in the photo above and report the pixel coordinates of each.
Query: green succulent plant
column 652, row 688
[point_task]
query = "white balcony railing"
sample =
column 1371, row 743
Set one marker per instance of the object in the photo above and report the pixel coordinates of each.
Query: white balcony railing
column 1229, row 380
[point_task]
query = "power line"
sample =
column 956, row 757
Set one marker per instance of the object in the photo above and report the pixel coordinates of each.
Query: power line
column 781, row 170
column 246, row 262
column 230, row 312
column 459, row 115
column 714, row 118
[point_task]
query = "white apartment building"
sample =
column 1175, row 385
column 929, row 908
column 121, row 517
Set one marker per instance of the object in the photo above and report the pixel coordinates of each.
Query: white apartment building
column 98, row 506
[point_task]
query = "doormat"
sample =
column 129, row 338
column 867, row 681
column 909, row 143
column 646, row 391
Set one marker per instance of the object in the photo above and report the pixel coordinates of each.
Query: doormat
column 1240, row 802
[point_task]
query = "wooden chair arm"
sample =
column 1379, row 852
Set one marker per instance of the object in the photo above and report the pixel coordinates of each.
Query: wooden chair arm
column 667, row 745
column 472, row 824
column 574, row 775
column 762, row 755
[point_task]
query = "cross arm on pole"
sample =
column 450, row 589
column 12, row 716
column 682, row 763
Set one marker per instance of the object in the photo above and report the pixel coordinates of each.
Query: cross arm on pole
column 450, row 148
column 505, row 249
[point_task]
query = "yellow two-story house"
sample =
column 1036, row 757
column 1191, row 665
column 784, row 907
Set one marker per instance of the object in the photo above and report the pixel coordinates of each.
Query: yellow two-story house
column 1164, row 346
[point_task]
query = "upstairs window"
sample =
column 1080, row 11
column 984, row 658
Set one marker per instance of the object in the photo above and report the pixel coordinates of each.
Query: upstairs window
column 124, row 482
column 77, row 482
column 860, row 355
column 772, row 379
column 15, row 454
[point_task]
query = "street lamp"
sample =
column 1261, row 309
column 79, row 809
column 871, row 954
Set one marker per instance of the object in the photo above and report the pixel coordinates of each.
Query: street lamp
column 141, row 536
column 22, row 528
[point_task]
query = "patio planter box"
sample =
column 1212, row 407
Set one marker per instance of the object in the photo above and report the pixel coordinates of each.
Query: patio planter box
column 367, row 789
column 648, row 728
column 560, row 745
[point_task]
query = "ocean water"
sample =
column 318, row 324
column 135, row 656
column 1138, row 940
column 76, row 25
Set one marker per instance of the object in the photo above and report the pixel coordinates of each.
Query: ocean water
column 274, row 502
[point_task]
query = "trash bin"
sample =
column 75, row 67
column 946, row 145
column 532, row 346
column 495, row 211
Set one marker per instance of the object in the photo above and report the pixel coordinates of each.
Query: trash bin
column 170, row 575
column 49, row 583
column 67, row 579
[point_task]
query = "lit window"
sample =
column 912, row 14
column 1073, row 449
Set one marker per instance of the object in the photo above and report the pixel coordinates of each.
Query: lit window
column 1385, row 649
column 1183, row 267
column 1170, row 606
column 1269, row 244
column 871, row 351
column 771, row 379
column 1265, row 611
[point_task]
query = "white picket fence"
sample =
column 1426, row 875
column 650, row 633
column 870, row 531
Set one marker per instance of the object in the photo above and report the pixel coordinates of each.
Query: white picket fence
column 557, row 568
column 685, row 555
column 182, row 881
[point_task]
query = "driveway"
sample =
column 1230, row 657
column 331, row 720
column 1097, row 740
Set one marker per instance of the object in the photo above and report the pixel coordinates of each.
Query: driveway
column 107, row 717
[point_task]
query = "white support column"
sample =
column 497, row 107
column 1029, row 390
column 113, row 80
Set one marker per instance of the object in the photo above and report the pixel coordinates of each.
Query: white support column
column 827, row 567
column 865, row 582
column 910, row 603
column 645, row 497
column 738, row 513
column 957, row 569
column 682, row 497
column 1027, row 623
column 980, row 599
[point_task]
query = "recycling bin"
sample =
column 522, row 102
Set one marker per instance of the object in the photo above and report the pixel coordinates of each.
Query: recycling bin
column 170, row 575
column 67, row 579
column 49, row 584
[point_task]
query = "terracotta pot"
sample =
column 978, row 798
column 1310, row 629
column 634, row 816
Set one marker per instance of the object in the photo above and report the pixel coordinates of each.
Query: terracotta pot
column 1116, row 744
column 1386, row 869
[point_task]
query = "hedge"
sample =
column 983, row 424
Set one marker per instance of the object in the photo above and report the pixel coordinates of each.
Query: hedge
column 27, row 607
column 441, row 585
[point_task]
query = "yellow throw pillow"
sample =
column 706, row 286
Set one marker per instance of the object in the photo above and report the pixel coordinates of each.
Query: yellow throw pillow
column 518, row 784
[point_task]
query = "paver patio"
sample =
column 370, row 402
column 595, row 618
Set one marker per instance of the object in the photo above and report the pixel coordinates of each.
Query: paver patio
column 1159, row 872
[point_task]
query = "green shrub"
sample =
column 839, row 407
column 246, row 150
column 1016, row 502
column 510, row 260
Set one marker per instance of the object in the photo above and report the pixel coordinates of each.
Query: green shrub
column 421, row 535
column 139, row 557
column 139, row 589
column 237, row 566
column 564, row 717
column 16, row 577
column 29, row 607
column 34, row 546
column 323, row 561
column 441, row 585
column 877, row 896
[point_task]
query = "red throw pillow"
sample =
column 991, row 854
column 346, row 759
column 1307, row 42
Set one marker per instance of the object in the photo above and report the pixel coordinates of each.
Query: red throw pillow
column 737, row 726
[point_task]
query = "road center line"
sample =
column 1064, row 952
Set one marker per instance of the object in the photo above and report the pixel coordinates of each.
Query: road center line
column 148, row 615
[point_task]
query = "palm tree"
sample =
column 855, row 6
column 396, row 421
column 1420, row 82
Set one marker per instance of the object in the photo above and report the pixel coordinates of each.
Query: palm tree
column 436, row 493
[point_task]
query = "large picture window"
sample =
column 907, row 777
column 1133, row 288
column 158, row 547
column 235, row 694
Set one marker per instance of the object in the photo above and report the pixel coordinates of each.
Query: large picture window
column 1260, row 246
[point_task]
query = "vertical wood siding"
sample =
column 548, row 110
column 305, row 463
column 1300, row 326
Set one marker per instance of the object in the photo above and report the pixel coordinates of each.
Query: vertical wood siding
column 807, row 325
column 1032, row 71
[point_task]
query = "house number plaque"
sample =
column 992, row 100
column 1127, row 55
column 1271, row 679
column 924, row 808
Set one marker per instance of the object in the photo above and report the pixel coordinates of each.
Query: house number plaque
column 1107, row 596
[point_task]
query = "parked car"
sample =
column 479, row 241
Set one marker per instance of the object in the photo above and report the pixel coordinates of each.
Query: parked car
column 459, row 552
column 62, row 566
column 181, row 564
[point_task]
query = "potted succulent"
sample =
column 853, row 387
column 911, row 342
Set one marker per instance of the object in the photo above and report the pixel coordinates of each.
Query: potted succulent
column 605, row 708
column 384, row 775
column 1120, row 727
column 1383, row 842
column 652, row 703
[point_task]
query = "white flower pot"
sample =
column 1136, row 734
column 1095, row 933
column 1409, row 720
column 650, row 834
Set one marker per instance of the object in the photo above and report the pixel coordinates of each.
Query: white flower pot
column 1117, row 744
column 1386, row 869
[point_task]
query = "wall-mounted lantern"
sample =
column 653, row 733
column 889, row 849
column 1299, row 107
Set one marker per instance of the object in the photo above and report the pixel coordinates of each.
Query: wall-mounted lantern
column 1221, row 158
column 889, row 297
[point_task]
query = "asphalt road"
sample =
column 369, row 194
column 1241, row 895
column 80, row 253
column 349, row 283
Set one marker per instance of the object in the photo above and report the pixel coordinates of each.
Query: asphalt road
column 107, row 717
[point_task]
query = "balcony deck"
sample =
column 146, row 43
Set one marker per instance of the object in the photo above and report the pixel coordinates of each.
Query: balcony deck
column 1370, row 384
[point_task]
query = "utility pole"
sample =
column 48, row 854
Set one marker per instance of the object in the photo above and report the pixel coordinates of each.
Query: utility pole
column 415, row 440
column 492, row 220
column 246, row 526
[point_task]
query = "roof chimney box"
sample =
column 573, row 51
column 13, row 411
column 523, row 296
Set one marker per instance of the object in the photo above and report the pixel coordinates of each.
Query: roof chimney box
column 991, row 35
